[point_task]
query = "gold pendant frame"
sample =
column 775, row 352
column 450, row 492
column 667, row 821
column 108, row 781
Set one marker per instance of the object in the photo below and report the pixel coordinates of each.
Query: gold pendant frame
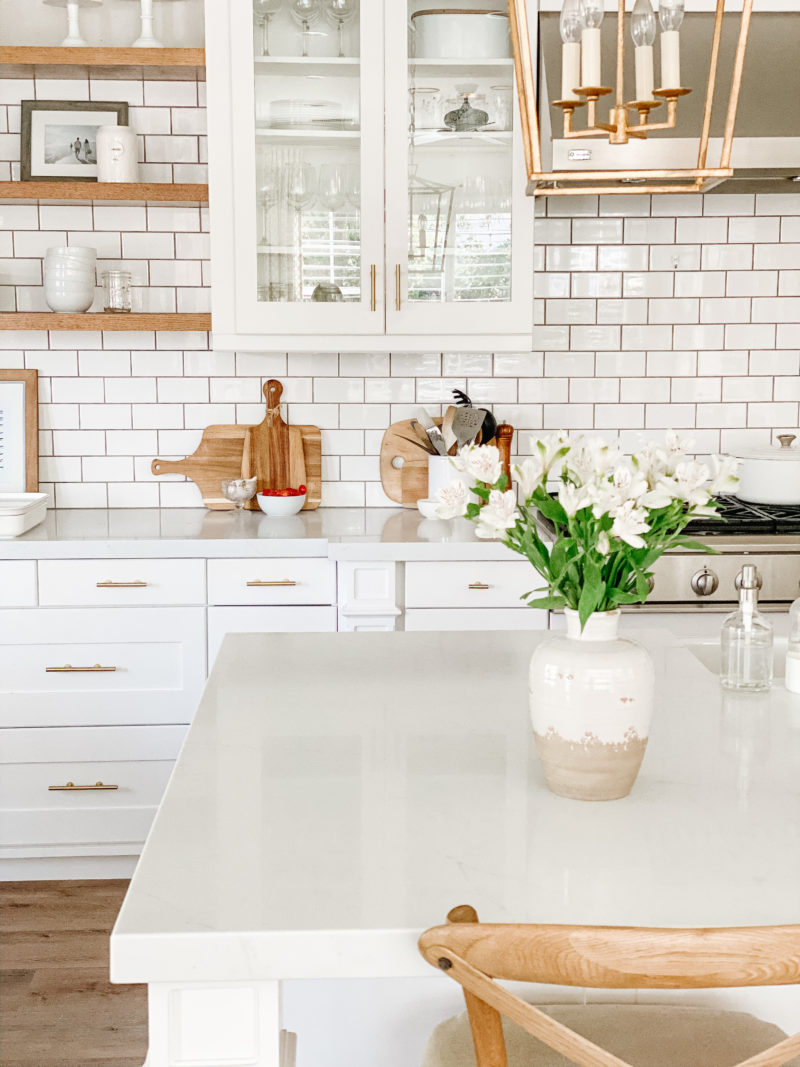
column 619, row 129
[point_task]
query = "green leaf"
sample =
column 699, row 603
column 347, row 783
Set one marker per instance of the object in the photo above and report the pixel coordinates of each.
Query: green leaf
column 551, row 509
column 696, row 546
column 548, row 602
column 592, row 593
column 619, row 596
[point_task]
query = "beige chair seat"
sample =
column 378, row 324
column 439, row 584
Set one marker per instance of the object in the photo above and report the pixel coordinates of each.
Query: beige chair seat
column 642, row 1034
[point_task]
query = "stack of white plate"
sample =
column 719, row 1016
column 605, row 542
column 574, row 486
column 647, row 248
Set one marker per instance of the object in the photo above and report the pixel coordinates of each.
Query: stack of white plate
column 284, row 114
column 69, row 278
column 20, row 512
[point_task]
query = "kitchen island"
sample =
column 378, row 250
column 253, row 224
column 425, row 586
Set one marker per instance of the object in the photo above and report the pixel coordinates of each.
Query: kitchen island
column 338, row 793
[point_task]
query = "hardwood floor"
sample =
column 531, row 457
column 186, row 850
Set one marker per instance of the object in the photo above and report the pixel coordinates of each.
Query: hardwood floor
column 57, row 1006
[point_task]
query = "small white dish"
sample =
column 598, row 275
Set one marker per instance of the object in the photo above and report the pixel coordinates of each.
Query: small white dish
column 279, row 507
column 20, row 512
column 428, row 507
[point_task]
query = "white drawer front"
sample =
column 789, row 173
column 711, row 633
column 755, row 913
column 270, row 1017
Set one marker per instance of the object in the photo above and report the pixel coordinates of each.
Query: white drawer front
column 222, row 621
column 121, row 582
column 271, row 581
column 49, row 660
column 494, row 584
column 18, row 583
column 441, row 619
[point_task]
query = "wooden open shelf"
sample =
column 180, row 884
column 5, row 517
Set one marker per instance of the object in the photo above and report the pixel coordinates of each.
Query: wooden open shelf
column 52, row 320
column 197, row 194
column 104, row 57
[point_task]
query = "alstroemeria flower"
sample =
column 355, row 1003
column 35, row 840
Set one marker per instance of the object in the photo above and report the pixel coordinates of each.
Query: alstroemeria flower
column 724, row 479
column 498, row 515
column 530, row 474
column 691, row 479
column 603, row 543
column 481, row 462
column 629, row 523
column 453, row 499
column 572, row 499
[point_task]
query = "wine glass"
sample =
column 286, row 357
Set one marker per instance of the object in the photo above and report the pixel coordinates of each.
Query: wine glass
column 339, row 12
column 238, row 491
column 305, row 12
column 268, row 195
column 301, row 185
column 331, row 187
column 264, row 10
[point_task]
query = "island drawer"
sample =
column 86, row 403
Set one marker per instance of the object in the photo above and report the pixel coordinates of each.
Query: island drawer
column 18, row 583
column 438, row 619
column 266, row 620
column 271, row 581
column 492, row 584
column 94, row 667
column 121, row 582
column 82, row 764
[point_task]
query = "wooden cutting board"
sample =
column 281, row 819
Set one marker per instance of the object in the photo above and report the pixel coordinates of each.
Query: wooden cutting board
column 228, row 452
column 274, row 451
column 404, row 466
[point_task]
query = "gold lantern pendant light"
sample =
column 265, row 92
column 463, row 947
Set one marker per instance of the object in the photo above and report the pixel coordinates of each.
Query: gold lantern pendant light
column 581, row 86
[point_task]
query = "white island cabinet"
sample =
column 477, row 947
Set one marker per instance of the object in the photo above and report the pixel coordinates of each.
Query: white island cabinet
column 315, row 826
column 349, row 211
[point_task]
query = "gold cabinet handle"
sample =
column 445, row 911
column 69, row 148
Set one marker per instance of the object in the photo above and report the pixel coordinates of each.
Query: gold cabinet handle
column 121, row 585
column 478, row 585
column 70, row 787
column 69, row 669
column 270, row 585
column 398, row 287
column 373, row 287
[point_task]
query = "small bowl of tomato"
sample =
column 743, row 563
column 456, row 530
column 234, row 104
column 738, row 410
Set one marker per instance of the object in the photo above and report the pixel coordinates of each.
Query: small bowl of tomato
column 278, row 503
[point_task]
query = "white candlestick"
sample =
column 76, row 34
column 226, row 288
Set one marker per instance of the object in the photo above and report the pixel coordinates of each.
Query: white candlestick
column 73, row 38
column 147, row 38
column 670, row 59
column 590, row 57
column 570, row 70
column 643, row 58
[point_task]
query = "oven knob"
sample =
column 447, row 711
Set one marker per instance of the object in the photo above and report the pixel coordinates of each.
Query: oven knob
column 705, row 582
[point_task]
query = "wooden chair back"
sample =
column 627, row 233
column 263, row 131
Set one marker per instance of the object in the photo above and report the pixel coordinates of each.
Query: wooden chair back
column 600, row 957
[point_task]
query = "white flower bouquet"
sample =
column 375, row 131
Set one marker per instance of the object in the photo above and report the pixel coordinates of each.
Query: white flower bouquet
column 614, row 516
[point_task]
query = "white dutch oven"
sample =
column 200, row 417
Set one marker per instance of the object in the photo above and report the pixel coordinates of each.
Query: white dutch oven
column 460, row 34
column 770, row 475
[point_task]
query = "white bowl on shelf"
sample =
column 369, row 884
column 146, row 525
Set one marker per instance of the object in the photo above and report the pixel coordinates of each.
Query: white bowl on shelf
column 280, row 507
column 67, row 298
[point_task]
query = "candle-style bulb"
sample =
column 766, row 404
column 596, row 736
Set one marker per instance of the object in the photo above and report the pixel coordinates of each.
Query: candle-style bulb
column 670, row 14
column 643, row 23
column 593, row 11
column 572, row 21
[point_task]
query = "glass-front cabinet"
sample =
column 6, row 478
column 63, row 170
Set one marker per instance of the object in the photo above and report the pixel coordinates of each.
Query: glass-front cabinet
column 367, row 177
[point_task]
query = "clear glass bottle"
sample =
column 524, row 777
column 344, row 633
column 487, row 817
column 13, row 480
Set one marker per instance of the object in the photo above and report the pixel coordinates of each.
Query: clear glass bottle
column 793, row 651
column 747, row 640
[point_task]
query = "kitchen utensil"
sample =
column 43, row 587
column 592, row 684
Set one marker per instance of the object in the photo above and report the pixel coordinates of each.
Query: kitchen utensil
column 489, row 427
column 239, row 491
column 505, row 436
column 460, row 34
column 403, row 465
column 467, row 424
column 433, row 431
column 269, row 444
column 450, row 440
column 417, row 443
column 422, row 437
column 770, row 475
column 217, row 458
column 264, row 10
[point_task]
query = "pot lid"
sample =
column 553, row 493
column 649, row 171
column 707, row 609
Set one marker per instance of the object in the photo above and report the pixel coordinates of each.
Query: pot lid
column 785, row 451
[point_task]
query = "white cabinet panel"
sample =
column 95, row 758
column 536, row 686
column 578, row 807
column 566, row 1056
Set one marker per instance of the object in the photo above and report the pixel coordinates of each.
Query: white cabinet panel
column 17, row 583
column 157, row 656
column 279, row 620
column 121, row 582
column 271, row 581
column 440, row 619
column 493, row 584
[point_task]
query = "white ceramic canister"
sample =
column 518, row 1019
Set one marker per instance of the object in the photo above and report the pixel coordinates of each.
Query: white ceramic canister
column 770, row 475
column 591, row 702
column 441, row 472
column 460, row 34
column 117, row 154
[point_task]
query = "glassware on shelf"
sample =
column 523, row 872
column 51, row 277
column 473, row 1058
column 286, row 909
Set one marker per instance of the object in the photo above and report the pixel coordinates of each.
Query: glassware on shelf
column 264, row 10
column 268, row 195
column 301, row 185
column 331, row 187
column 501, row 109
column 116, row 290
column 305, row 12
column 239, row 491
column 354, row 186
column 339, row 12
column 425, row 105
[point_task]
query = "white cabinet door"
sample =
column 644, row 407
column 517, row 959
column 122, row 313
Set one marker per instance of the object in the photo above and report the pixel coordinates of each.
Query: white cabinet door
column 271, row 581
column 121, row 582
column 282, row 620
column 459, row 247
column 17, row 583
column 94, row 666
column 488, row 584
column 297, row 175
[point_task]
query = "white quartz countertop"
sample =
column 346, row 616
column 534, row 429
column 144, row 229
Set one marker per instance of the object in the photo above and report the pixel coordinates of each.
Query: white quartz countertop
column 338, row 793
column 340, row 533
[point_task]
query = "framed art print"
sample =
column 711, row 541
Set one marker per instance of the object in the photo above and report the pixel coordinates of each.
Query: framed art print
column 59, row 138
column 19, row 431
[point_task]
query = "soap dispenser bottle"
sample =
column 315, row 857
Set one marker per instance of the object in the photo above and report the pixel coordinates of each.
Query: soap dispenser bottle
column 747, row 640
column 793, row 651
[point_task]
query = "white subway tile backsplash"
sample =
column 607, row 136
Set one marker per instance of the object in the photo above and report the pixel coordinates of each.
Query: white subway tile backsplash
column 727, row 257
column 783, row 256
column 622, row 257
column 673, row 257
column 707, row 231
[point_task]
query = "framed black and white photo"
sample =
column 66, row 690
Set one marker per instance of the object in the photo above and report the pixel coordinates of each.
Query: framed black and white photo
column 59, row 138
column 19, row 431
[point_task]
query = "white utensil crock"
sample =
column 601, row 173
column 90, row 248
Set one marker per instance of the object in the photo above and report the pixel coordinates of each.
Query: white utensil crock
column 117, row 154
column 770, row 475
column 441, row 472
column 591, row 702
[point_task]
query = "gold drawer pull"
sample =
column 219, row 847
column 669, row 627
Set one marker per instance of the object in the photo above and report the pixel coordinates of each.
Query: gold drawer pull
column 270, row 585
column 122, row 585
column 69, row 669
column 478, row 585
column 70, row 787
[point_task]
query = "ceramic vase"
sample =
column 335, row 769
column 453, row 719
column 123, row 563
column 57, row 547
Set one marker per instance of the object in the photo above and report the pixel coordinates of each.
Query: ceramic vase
column 591, row 702
column 117, row 154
